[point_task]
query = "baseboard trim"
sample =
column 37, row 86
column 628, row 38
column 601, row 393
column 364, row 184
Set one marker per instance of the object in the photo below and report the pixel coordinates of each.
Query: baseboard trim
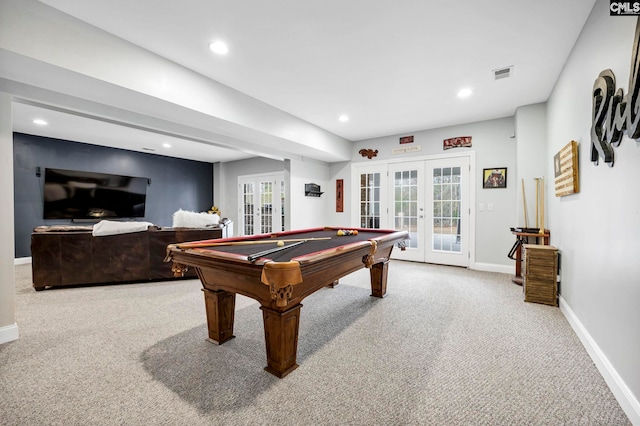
column 22, row 260
column 618, row 387
column 9, row 333
column 492, row 267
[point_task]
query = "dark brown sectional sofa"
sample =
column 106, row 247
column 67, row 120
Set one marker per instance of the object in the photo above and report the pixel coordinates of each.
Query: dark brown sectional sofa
column 64, row 256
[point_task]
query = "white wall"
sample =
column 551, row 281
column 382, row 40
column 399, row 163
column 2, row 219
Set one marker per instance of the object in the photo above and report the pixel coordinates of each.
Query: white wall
column 226, row 186
column 493, row 146
column 342, row 171
column 598, row 229
column 8, row 327
column 308, row 212
column 304, row 212
column 531, row 159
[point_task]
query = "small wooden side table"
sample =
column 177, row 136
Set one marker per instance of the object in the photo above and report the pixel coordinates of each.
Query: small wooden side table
column 544, row 237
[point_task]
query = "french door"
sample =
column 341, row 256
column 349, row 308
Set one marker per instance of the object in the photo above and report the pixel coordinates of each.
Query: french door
column 428, row 198
column 407, row 207
column 449, row 214
column 261, row 203
column 372, row 185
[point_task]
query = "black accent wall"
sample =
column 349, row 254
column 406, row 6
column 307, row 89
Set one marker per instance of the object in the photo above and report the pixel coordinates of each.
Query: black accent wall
column 175, row 183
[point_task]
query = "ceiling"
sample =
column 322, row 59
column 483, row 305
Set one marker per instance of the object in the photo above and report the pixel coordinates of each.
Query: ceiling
column 392, row 66
column 79, row 128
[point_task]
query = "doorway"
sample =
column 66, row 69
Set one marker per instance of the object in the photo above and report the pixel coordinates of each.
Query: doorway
column 429, row 198
column 261, row 203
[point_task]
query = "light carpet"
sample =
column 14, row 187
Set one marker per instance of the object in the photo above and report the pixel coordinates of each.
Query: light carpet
column 447, row 346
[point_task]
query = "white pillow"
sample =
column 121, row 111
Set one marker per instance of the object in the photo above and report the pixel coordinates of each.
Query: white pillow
column 110, row 227
column 187, row 219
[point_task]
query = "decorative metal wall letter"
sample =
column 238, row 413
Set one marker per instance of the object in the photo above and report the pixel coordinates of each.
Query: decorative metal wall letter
column 369, row 153
column 615, row 115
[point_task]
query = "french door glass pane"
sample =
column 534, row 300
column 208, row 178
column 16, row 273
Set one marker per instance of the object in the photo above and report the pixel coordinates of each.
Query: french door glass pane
column 446, row 209
column 370, row 200
column 266, row 207
column 406, row 204
column 247, row 194
column 282, row 205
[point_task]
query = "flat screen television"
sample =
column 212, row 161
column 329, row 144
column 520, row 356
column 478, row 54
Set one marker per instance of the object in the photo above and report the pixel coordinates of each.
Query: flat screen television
column 72, row 194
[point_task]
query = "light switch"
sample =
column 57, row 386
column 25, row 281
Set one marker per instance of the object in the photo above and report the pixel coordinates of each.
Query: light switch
column 490, row 207
column 481, row 207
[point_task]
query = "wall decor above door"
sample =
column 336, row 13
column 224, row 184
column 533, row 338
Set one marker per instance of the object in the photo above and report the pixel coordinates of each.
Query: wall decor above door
column 457, row 142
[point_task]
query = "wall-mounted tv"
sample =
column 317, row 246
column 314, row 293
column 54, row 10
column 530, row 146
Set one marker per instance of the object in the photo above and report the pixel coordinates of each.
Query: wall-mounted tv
column 72, row 194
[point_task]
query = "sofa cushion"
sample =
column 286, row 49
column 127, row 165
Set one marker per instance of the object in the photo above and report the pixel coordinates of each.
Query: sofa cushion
column 187, row 219
column 62, row 228
column 111, row 227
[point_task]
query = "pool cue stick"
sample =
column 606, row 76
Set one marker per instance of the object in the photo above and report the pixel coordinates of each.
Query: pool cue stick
column 245, row 243
column 524, row 201
column 253, row 257
column 537, row 202
column 542, row 206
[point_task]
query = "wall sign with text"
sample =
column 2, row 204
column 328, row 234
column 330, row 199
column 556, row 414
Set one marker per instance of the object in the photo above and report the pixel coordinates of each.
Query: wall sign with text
column 460, row 141
column 613, row 114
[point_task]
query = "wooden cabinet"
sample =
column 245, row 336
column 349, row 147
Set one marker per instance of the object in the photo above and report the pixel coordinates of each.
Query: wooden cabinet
column 540, row 279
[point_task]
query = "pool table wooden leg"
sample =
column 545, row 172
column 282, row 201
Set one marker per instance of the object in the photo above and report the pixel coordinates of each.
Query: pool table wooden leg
column 379, row 272
column 281, row 338
column 220, row 307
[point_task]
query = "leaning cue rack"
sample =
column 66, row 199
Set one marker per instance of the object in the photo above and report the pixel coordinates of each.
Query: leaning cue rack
column 523, row 235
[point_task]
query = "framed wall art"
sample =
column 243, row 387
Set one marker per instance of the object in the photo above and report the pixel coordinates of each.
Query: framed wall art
column 495, row 177
column 565, row 165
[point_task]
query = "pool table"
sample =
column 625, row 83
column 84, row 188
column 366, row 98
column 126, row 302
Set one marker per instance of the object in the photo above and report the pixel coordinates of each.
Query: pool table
column 279, row 270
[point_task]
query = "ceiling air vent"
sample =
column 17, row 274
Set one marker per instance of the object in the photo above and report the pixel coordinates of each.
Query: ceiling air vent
column 501, row 73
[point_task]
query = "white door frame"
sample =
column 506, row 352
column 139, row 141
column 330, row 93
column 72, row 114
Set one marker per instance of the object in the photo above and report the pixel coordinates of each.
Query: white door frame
column 276, row 208
column 382, row 166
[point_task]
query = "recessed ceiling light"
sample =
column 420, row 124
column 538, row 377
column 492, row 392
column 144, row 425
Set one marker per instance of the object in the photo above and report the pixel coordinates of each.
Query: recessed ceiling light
column 40, row 122
column 464, row 93
column 166, row 145
column 219, row 47
column 344, row 118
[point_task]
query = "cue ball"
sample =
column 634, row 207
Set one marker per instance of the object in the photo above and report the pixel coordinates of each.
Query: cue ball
column 280, row 243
